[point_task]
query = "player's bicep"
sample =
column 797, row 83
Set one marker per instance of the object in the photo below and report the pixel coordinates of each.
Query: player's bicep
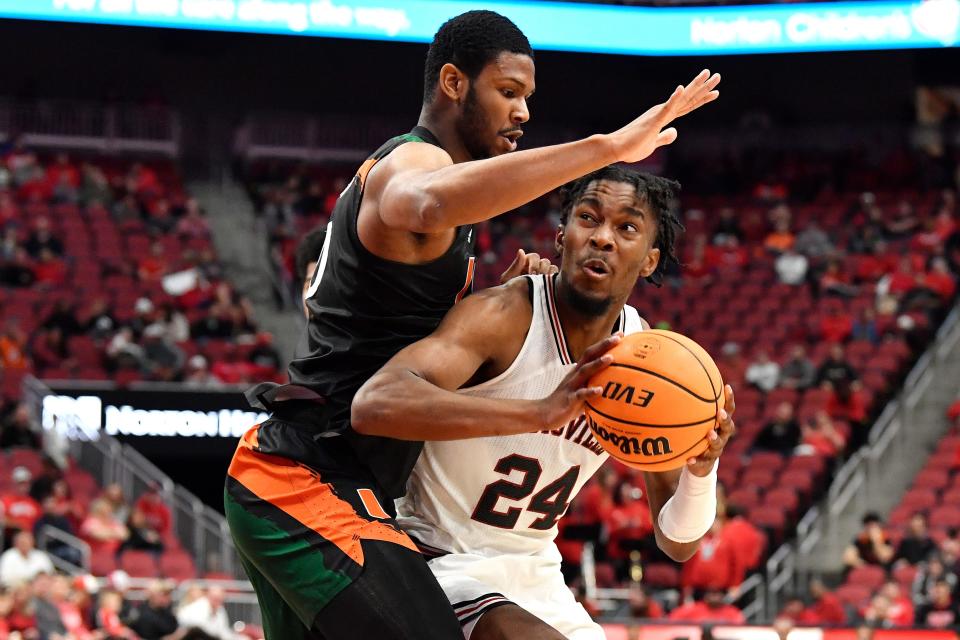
column 399, row 185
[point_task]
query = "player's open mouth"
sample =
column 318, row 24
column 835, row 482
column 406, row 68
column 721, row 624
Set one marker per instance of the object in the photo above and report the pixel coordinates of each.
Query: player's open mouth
column 596, row 268
column 512, row 137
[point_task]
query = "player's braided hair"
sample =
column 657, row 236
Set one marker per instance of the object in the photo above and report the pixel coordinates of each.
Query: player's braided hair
column 470, row 41
column 659, row 193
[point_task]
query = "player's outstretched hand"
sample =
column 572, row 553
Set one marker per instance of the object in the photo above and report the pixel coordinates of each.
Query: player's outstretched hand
column 527, row 263
column 566, row 402
column 717, row 438
column 641, row 137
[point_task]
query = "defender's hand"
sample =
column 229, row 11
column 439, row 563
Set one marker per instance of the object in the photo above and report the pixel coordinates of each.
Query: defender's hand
column 641, row 137
column 566, row 403
column 717, row 437
column 527, row 264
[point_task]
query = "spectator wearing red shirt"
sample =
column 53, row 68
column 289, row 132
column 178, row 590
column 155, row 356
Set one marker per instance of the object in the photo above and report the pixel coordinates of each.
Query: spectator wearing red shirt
column 900, row 609
column 821, row 437
column 62, row 170
column 826, row 607
column 102, row 530
column 628, row 520
column 155, row 510
column 713, row 566
column 50, row 270
column 20, row 511
column 939, row 279
column 50, row 350
column 6, row 607
column 726, row 255
column 154, row 266
column 746, row 541
column 837, row 325
column 904, row 278
column 108, row 616
column 642, row 605
column 711, row 609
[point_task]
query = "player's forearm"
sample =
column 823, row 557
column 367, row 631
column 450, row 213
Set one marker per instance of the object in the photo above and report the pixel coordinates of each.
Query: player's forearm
column 471, row 192
column 401, row 405
column 660, row 487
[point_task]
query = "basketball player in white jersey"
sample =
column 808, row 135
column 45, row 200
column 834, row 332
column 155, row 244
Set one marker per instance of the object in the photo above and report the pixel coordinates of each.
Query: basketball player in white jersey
column 486, row 509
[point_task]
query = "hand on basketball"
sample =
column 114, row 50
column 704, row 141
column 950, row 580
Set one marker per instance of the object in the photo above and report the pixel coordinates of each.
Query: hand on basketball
column 717, row 438
column 641, row 137
column 527, row 263
column 566, row 402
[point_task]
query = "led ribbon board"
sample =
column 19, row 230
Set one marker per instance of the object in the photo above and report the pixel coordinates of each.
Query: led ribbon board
column 549, row 25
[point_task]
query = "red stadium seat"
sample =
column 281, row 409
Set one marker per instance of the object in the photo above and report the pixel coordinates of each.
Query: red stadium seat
column 853, row 595
column 102, row 563
column 139, row 564
column 920, row 499
column 904, row 574
column 800, row 481
column 28, row 458
column 771, row 518
column 785, row 499
column 766, row 460
column 661, row 574
column 745, row 497
column 934, row 479
column 868, row 575
column 177, row 565
column 946, row 516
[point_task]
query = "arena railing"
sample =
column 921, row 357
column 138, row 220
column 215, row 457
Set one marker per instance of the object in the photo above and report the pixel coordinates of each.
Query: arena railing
column 48, row 532
column 201, row 530
column 102, row 128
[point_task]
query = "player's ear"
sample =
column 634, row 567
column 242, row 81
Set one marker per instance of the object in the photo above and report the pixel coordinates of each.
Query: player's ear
column 650, row 263
column 558, row 241
column 452, row 82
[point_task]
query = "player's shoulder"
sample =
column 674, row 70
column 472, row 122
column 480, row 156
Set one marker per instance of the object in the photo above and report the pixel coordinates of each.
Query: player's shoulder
column 511, row 298
column 412, row 155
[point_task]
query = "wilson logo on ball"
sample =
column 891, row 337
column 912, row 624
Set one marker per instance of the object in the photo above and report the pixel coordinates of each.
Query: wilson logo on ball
column 625, row 393
column 633, row 446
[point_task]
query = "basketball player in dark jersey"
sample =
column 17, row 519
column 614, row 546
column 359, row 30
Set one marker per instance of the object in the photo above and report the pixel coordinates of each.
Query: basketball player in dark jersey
column 309, row 499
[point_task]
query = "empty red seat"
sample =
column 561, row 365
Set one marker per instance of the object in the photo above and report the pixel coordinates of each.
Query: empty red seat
column 102, row 563
column 934, row 479
column 766, row 460
column 785, row 499
column 661, row 574
column 853, row 595
column 139, row 564
column 919, row 499
column 904, row 574
column 946, row 516
column 870, row 576
column 28, row 458
column 177, row 565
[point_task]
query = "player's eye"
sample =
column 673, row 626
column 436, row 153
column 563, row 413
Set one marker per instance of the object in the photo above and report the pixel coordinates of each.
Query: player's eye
column 508, row 93
column 632, row 228
column 587, row 217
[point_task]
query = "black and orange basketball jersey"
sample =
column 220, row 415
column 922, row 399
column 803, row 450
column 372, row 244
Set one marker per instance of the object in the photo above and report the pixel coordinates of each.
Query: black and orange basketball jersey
column 363, row 310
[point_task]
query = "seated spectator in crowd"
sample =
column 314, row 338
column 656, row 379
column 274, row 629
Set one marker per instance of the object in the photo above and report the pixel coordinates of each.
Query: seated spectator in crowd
column 836, row 371
column 711, row 609
column 798, row 372
column 142, row 536
column 791, row 267
column 102, row 530
column 50, row 351
column 17, row 271
column 642, row 606
column 23, row 561
column 731, row 363
column 746, row 540
column 819, row 436
column 917, row 545
column 941, row 612
column 162, row 360
column 264, row 355
column 154, row 266
column 900, row 611
column 48, row 595
column 939, row 280
column 113, row 495
column 781, row 239
column 41, row 238
column 123, row 352
column 726, row 255
column 837, row 325
column 22, row 617
column 728, row 224
column 20, row 430
column 866, row 327
column 98, row 321
column 713, row 566
column 160, row 220
column 6, row 608
column 154, row 619
column 50, row 271
column 193, row 224
column 813, row 242
column 628, row 521
column 782, row 434
column 198, row 375
column 13, row 346
column 929, row 574
column 903, row 222
column 155, row 509
column 50, row 517
column 834, row 281
column 70, row 604
column 19, row 510
column 763, row 372
column 825, row 609
column 108, row 616
column 208, row 614
column 64, row 317
column 870, row 546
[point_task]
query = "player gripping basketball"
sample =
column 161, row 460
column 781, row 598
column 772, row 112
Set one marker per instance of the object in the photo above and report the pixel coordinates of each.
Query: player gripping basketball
column 309, row 498
column 486, row 509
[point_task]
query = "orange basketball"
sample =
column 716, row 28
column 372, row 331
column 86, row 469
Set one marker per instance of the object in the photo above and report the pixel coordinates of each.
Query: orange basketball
column 661, row 395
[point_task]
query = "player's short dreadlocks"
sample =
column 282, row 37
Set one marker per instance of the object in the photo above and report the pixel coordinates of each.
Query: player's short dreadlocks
column 659, row 193
column 470, row 41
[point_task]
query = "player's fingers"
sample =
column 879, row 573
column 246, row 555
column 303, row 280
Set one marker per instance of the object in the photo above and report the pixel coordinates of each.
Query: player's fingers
column 586, row 393
column 670, row 108
column 699, row 102
column 697, row 83
column 554, row 269
column 729, row 401
column 589, row 369
column 516, row 267
column 545, row 266
column 667, row 136
column 600, row 348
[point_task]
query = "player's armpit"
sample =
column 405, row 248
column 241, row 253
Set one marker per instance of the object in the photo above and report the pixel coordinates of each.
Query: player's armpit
column 413, row 396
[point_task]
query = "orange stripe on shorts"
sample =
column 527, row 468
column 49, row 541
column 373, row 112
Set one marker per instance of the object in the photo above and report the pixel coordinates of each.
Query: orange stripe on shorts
column 301, row 494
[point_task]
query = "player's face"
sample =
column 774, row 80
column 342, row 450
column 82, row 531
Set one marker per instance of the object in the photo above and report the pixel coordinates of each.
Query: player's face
column 606, row 245
column 495, row 106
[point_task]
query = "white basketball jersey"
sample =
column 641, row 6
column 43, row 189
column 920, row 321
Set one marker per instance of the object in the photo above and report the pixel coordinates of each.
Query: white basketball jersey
column 504, row 494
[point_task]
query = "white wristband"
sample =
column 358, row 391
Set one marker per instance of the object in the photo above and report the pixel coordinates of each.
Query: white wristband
column 690, row 512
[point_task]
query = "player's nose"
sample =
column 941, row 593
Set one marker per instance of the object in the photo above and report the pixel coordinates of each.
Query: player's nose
column 521, row 112
column 602, row 237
